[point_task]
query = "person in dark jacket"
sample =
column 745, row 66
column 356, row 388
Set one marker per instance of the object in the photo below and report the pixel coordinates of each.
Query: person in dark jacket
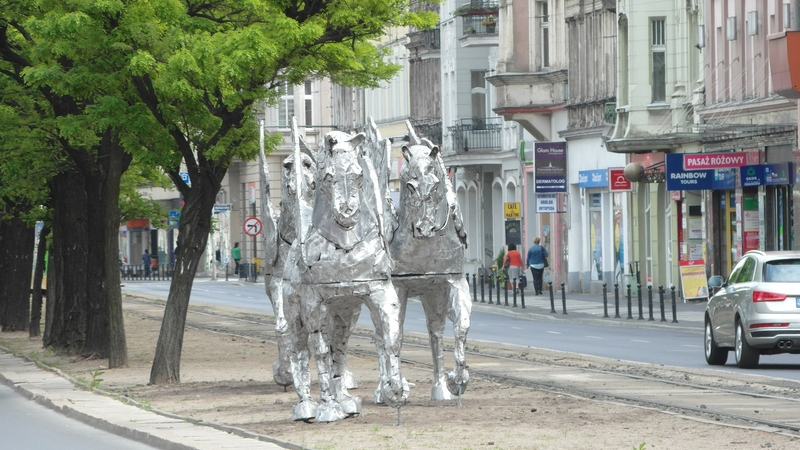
column 537, row 258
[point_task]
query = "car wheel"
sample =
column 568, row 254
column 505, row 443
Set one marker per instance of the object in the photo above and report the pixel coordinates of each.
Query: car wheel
column 714, row 355
column 746, row 356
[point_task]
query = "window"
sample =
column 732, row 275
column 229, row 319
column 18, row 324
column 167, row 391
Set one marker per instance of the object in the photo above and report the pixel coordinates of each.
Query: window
column 309, row 104
column 748, row 270
column 478, row 85
column 285, row 105
column 545, row 33
column 658, row 60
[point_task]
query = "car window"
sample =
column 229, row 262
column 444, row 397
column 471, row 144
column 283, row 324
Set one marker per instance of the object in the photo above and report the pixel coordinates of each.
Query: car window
column 735, row 272
column 748, row 269
column 782, row 271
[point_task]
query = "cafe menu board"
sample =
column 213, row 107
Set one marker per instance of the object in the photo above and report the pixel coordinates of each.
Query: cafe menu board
column 693, row 279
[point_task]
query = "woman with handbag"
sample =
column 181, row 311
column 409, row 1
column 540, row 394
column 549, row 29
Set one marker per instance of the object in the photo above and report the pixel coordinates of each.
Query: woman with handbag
column 513, row 262
column 537, row 261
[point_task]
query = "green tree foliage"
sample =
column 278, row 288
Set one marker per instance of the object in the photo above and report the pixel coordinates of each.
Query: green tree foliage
column 175, row 83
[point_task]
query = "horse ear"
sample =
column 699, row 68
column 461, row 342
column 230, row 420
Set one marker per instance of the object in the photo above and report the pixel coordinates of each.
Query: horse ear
column 434, row 151
column 358, row 139
column 406, row 153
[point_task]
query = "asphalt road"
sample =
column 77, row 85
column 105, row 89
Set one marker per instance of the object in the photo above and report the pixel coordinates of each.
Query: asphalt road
column 679, row 346
column 29, row 425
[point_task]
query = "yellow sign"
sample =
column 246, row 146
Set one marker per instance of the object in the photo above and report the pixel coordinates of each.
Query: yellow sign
column 512, row 210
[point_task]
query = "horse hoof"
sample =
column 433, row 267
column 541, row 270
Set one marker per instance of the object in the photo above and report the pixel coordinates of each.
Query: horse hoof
column 350, row 405
column 330, row 411
column 394, row 397
column 457, row 385
column 281, row 376
column 305, row 410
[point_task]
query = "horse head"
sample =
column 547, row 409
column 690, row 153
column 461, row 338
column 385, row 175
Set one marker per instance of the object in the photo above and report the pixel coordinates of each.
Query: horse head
column 289, row 190
column 424, row 191
column 341, row 177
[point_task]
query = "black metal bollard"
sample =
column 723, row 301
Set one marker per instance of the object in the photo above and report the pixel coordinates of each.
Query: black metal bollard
column 491, row 283
column 483, row 298
column 498, row 291
column 630, row 313
column 563, row 299
column 605, row 301
column 522, row 297
column 552, row 299
column 639, row 289
column 650, row 301
column 474, row 288
column 226, row 273
column 674, row 307
column 661, row 292
column 616, row 301
column 514, row 286
column 505, row 289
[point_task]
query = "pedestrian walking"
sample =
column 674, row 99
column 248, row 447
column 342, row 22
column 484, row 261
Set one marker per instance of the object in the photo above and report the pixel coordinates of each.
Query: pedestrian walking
column 513, row 262
column 236, row 254
column 146, row 261
column 537, row 261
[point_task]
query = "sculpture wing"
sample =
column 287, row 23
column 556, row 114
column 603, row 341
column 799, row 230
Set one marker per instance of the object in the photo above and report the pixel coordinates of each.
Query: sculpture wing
column 271, row 216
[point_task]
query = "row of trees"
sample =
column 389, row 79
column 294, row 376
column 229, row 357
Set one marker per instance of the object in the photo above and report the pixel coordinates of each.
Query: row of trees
column 95, row 93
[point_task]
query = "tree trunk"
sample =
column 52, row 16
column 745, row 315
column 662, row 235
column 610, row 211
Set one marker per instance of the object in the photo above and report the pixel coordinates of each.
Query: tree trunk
column 38, row 277
column 105, row 333
column 65, row 314
column 194, row 229
column 16, row 250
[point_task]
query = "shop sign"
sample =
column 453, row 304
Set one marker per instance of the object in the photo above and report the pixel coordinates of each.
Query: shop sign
column 752, row 175
column 617, row 181
column 778, row 174
column 593, row 178
column 706, row 161
column 513, row 232
column 679, row 179
column 546, row 203
column 550, row 167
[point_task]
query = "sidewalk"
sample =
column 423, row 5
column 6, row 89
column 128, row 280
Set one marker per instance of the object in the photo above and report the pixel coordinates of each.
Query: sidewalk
column 170, row 432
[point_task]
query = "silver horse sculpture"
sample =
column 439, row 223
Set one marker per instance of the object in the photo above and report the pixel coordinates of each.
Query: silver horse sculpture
column 344, row 263
column 280, row 237
column 428, row 252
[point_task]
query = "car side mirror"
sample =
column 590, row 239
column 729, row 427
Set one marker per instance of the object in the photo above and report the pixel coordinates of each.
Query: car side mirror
column 715, row 283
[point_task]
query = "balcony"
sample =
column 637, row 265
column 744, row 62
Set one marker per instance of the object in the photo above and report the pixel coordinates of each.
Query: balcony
column 424, row 44
column 477, row 134
column 479, row 23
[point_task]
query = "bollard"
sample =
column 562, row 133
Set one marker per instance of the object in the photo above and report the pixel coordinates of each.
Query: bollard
column 514, row 286
column 498, row 291
column 491, row 283
column 616, row 301
column 650, row 301
column 639, row 289
column 226, row 272
column 605, row 301
column 522, row 297
column 505, row 289
column 483, row 298
column 552, row 299
column 563, row 299
column 474, row 288
column 661, row 292
column 674, row 307
column 630, row 313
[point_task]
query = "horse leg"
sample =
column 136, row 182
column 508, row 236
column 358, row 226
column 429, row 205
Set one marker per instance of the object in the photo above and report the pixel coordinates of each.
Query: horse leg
column 342, row 323
column 342, row 332
column 385, row 311
column 299, row 356
column 402, row 296
column 435, row 305
column 460, row 308
column 281, row 369
column 317, row 322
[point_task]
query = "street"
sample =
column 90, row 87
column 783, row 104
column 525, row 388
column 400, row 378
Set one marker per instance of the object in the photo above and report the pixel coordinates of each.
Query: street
column 679, row 346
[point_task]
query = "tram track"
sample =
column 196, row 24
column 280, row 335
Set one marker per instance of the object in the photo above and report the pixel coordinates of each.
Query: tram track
column 731, row 399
